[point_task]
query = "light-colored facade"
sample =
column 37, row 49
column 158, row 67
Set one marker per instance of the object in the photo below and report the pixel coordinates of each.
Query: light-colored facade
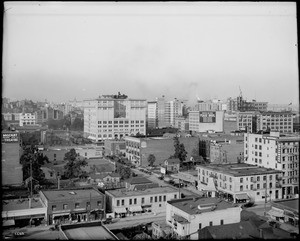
column 27, row 119
column 110, row 117
column 181, row 123
column 187, row 216
column 152, row 118
column 206, row 121
column 123, row 202
column 239, row 182
column 273, row 121
column 277, row 151
column 139, row 149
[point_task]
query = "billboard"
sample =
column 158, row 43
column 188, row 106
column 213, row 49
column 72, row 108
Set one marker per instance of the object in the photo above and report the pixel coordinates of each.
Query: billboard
column 10, row 137
column 207, row 117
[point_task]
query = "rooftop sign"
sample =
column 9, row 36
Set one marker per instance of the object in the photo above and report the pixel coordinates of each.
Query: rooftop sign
column 10, row 137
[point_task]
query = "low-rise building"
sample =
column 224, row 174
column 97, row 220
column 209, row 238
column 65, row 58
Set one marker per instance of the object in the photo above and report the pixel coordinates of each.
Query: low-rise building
column 139, row 183
column 161, row 230
column 187, row 216
column 172, row 165
column 73, row 205
column 139, row 149
column 23, row 212
column 285, row 211
column 114, row 147
column 124, row 202
column 240, row 182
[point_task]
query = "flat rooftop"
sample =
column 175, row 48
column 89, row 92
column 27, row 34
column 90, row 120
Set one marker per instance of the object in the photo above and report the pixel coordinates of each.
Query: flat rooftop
column 88, row 232
column 239, row 169
column 20, row 204
column 199, row 205
column 155, row 190
column 71, row 194
column 288, row 203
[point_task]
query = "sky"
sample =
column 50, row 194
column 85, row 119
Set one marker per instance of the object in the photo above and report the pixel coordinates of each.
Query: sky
column 187, row 50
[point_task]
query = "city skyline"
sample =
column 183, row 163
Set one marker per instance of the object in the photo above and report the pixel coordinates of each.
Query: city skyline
column 59, row 51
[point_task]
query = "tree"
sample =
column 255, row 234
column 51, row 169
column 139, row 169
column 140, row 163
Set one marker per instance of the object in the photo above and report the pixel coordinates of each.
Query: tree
column 74, row 165
column 38, row 159
column 151, row 159
column 180, row 151
column 125, row 172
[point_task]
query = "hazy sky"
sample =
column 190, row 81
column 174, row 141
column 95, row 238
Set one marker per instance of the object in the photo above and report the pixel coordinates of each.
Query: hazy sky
column 61, row 50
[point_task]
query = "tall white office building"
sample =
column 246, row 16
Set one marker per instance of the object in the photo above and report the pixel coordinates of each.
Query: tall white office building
column 114, row 116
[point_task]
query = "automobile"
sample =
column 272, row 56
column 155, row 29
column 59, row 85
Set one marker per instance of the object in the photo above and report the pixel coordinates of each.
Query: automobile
column 19, row 234
column 108, row 220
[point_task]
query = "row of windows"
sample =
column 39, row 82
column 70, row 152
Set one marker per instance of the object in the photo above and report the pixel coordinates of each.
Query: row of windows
column 161, row 198
column 77, row 205
column 121, row 122
column 121, row 126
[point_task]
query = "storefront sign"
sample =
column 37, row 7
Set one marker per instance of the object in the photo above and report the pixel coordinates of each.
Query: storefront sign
column 10, row 137
column 207, row 117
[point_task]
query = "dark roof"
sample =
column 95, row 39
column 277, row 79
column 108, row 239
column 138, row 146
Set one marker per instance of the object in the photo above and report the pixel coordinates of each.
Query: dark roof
column 138, row 180
column 241, row 230
column 290, row 204
column 173, row 161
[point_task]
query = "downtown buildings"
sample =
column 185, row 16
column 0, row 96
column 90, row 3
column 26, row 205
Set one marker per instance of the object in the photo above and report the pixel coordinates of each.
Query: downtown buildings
column 253, row 121
column 276, row 151
column 114, row 116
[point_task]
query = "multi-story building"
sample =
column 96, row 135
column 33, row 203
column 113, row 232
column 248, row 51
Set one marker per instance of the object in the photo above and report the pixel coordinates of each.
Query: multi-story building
column 272, row 121
column 206, row 121
column 239, row 104
column 210, row 106
column 240, row 182
column 276, row 151
column 73, row 205
column 182, row 123
column 48, row 113
column 187, row 216
column 139, row 149
column 124, row 202
column 152, row 118
column 114, row 116
column 27, row 119
column 12, row 173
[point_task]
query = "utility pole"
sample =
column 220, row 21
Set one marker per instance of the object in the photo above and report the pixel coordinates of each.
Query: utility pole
column 265, row 206
column 31, row 179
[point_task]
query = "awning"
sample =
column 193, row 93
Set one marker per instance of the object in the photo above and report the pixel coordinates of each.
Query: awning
column 242, row 196
column 120, row 210
column 147, row 206
column 9, row 222
column 135, row 209
column 60, row 214
column 276, row 213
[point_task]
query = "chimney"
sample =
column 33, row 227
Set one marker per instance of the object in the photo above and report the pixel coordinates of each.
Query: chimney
column 58, row 182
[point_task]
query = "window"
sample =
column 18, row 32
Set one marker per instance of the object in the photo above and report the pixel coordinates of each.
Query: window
column 53, row 207
column 241, row 188
column 134, row 201
column 99, row 203
column 257, row 193
column 118, row 202
column 210, row 223
column 160, row 198
column 241, row 180
column 175, row 196
column 200, row 225
column 221, row 221
column 165, row 198
column 258, row 186
column 258, row 178
column 151, row 199
column 264, row 178
column 155, row 199
column 77, row 205
column 88, row 204
column 130, row 201
column 65, row 206
column 143, row 200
